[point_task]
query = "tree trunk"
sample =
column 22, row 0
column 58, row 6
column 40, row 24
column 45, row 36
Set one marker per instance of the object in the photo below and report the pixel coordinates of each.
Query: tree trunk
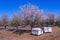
column 5, row 27
column 17, row 28
column 31, row 26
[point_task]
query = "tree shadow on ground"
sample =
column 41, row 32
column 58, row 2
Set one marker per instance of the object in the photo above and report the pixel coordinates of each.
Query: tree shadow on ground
column 2, row 28
column 11, row 29
column 20, row 32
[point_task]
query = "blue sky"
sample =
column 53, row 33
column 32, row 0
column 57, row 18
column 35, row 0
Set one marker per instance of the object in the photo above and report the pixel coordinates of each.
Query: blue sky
column 10, row 6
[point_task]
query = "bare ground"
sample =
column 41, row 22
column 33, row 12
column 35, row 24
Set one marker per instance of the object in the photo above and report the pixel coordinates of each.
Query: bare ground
column 11, row 35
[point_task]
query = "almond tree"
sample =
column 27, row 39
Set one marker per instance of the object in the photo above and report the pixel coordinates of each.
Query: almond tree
column 32, row 14
column 38, row 18
column 16, row 21
column 5, row 20
column 0, row 23
column 51, row 18
column 57, row 20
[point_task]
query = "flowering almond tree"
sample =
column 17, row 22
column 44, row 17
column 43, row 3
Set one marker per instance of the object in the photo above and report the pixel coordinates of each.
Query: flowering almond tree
column 57, row 22
column 32, row 14
column 16, row 21
column 4, row 20
column 51, row 18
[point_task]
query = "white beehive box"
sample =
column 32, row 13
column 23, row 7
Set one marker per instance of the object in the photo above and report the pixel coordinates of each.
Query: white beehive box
column 47, row 29
column 37, row 31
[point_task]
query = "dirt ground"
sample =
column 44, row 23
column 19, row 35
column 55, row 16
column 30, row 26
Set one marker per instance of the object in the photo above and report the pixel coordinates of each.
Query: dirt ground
column 11, row 35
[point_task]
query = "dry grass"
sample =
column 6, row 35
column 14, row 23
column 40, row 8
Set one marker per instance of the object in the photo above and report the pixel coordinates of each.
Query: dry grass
column 9, row 35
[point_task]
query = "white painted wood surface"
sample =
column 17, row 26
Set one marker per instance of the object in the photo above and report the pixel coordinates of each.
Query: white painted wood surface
column 47, row 29
column 37, row 31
